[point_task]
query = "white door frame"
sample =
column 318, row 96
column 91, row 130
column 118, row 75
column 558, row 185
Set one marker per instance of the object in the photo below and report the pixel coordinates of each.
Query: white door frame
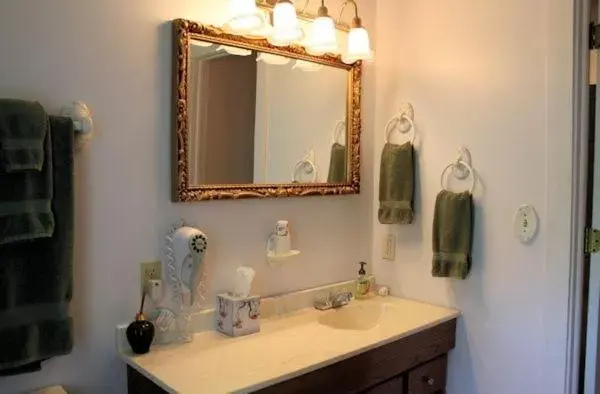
column 579, row 189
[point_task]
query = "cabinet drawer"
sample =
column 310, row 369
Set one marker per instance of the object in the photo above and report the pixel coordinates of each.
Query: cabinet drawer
column 429, row 378
column 392, row 386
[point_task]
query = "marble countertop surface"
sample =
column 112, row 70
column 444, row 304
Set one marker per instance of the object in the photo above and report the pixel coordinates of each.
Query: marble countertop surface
column 286, row 347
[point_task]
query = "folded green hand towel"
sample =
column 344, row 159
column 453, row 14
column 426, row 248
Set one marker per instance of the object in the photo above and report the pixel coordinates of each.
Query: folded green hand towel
column 452, row 234
column 25, row 201
column 337, row 164
column 396, row 184
column 23, row 127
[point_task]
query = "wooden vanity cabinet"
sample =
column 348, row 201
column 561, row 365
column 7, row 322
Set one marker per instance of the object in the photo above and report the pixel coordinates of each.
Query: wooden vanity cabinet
column 415, row 364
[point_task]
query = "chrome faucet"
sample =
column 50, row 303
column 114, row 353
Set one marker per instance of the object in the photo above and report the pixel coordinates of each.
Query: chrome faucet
column 333, row 300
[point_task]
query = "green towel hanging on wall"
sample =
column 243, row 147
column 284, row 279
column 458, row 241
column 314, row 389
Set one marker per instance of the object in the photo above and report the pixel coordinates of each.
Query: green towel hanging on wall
column 23, row 128
column 36, row 276
column 337, row 164
column 396, row 184
column 452, row 234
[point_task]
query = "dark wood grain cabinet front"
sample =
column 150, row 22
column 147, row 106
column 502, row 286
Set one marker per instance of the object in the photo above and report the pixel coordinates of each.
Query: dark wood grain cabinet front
column 139, row 384
column 429, row 378
column 415, row 364
column 393, row 386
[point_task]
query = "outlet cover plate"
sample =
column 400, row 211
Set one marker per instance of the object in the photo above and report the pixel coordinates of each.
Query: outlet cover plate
column 389, row 247
column 149, row 270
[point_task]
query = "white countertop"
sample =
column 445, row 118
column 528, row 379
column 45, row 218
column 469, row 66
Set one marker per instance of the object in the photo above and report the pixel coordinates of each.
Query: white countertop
column 286, row 347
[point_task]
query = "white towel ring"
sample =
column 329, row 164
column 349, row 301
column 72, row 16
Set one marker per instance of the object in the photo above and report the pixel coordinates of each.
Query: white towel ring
column 312, row 169
column 471, row 172
column 395, row 122
column 340, row 127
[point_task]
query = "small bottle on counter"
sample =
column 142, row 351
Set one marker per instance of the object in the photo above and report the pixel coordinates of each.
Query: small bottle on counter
column 363, row 283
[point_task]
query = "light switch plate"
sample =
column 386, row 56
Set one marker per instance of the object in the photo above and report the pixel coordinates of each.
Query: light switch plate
column 526, row 223
column 389, row 247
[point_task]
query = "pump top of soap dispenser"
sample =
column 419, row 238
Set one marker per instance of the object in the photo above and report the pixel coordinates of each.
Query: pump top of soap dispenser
column 362, row 268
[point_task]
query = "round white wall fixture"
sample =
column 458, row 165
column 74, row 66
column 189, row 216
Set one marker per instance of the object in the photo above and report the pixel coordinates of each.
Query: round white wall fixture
column 526, row 223
column 461, row 171
column 406, row 110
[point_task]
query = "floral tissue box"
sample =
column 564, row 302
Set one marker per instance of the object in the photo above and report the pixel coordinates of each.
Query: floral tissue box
column 238, row 315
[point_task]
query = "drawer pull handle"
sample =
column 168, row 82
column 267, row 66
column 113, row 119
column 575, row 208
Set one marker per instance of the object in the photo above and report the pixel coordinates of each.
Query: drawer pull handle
column 430, row 381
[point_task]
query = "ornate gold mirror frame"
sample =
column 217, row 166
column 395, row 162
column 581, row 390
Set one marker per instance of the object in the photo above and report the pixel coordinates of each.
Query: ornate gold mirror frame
column 182, row 190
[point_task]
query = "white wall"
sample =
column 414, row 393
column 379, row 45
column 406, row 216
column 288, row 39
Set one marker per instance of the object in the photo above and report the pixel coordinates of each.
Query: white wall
column 496, row 78
column 293, row 121
column 116, row 56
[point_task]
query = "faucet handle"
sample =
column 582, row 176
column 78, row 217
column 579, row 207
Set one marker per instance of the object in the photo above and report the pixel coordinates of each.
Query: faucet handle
column 323, row 301
column 341, row 298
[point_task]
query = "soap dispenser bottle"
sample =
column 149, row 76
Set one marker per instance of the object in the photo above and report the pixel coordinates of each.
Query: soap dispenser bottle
column 363, row 283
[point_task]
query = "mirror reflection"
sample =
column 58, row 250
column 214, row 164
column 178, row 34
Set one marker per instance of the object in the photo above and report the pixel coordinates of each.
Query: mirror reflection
column 259, row 118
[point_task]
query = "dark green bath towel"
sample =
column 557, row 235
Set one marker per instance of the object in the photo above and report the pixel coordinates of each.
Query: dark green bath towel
column 452, row 234
column 396, row 184
column 36, row 276
column 23, row 128
column 25, row 202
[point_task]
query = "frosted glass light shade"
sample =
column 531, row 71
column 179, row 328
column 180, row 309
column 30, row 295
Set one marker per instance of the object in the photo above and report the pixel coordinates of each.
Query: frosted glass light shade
column 235, row 51
column 322, row 36
column 306, row 66
column 359, row 45
column 245, row 16
column 285, row 25
column 273, row 59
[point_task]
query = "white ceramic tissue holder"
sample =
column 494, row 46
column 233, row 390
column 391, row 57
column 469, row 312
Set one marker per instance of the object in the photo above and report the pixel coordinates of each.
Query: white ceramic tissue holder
column 239, row 312
column 279, row 245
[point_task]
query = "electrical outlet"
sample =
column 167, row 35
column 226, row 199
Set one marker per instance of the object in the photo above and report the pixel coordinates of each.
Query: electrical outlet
column 389, row 247
column 148, row 271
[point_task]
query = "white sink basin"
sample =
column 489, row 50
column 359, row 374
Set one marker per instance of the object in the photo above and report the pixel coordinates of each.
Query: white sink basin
column 356, row 316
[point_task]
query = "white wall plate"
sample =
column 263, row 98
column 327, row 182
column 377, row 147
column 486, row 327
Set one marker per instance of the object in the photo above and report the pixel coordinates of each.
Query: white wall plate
column 526, row 223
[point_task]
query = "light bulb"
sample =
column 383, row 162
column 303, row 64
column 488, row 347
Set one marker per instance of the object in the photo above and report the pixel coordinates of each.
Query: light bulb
column 285, row 24
column 322, row 36
column 245, row 16
column 359, row 46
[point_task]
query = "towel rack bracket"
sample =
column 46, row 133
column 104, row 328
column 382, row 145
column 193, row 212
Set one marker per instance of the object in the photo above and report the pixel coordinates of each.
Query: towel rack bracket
column 461, row 171
column 82, row 121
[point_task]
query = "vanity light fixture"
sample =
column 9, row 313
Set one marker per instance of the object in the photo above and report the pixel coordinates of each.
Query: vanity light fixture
column 323, row 36
column 245, row 16
column 285, row 29
column 359, row 45
column 285, row 24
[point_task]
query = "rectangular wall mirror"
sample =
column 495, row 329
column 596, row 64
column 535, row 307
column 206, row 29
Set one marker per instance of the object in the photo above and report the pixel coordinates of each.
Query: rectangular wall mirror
column 254, row 120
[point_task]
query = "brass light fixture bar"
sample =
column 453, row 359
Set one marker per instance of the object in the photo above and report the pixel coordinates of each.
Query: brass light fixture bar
column 308, row 16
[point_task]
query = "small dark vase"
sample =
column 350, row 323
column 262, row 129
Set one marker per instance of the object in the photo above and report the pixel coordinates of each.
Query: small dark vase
column 140, row 334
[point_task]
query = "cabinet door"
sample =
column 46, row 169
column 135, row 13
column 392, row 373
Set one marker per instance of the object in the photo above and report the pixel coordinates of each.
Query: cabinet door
column 139, row 384
column 393, row 386
column 429, row 378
